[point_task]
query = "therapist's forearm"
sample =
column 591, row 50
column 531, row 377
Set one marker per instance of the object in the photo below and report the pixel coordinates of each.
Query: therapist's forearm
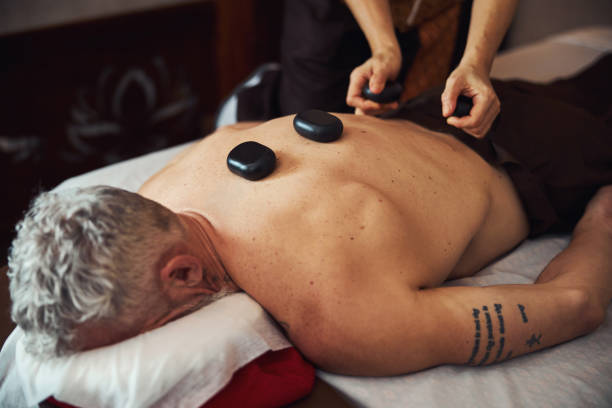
column 374, row 19
column 488, row 24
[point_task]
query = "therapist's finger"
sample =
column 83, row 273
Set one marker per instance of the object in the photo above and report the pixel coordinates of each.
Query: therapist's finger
column 370, row 107
column 452, row 90
column 377, row 108
column 483, row 127
column 378, row 79
column 357, row 81
column 478, row 112
column 483, row 124
column 474, row 120
column 487, row 122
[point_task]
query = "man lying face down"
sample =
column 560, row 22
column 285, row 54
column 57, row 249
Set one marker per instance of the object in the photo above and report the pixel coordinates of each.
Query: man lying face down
column 345, row 244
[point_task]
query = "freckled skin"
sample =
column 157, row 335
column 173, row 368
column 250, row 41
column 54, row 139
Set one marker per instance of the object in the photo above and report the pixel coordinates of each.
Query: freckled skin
column 337, row 202
column 389, row 206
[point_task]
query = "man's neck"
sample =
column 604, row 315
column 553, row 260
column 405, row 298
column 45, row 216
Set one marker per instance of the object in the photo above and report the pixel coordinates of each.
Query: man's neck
column 199, row 231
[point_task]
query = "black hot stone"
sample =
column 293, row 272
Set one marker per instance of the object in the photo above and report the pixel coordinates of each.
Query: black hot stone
column 318, row 125
column 390, row 93
column 251, row 160
column 464, row 106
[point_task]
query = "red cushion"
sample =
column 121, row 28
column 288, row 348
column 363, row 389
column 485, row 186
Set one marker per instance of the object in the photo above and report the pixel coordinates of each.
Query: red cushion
column 273, row 379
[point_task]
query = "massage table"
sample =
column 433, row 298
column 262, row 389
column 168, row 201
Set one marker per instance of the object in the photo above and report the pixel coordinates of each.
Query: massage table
column 182, row 364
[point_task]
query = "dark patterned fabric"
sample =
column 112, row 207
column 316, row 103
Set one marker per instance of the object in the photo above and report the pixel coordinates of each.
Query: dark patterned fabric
column 555, row 141
column 321, row 44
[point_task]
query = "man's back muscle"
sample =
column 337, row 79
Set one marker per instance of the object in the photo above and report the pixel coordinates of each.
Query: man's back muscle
column 387, row 205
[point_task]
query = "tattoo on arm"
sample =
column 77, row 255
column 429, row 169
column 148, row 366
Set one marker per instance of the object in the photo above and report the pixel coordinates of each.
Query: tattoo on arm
column 533, row 340
column 488, row 321
column 490, row 335
column 490, row 339
column 502, row 331
column 523, row 314
column 476, row 314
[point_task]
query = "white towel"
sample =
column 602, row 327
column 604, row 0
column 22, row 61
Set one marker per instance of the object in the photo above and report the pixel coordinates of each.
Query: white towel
column 183, row 363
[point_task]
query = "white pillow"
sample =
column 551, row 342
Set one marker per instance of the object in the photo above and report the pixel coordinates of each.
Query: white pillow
column 183, row 363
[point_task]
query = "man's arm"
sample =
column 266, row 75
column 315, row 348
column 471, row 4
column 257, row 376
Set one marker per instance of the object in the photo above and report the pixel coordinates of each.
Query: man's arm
column 488, row 24
column 385, row 329
column 458, row 325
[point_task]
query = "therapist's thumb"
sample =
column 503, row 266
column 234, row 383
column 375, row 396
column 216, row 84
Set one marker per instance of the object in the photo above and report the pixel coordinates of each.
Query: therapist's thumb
column 377, row 81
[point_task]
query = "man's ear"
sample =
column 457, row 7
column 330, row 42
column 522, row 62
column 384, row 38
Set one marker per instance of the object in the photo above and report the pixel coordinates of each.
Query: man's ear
column 182, row 272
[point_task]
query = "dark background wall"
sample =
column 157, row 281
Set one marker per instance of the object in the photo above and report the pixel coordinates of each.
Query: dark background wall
column 89, row 87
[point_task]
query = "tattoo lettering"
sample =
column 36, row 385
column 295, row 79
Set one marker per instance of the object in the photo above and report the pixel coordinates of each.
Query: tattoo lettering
column 500, row 317
column 502, row 342
column 523, row 314
column 488, row 321
column 502, row 331
column 491, row 340
column 533, row 340
column 476, row 314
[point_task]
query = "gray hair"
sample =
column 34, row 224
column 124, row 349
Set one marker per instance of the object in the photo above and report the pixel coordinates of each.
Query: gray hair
column 84, row 255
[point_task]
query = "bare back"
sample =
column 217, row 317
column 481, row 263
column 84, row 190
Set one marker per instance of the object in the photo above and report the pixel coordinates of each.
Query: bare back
column 389, row 206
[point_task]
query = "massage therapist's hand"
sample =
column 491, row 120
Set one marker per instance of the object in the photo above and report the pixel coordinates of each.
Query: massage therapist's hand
column 382, row 66
column 473, row 83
